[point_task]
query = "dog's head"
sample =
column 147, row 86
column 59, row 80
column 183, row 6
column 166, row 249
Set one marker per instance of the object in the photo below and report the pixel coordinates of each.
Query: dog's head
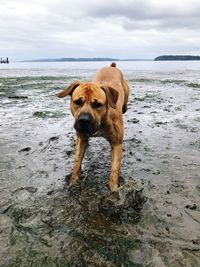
column 89, row 104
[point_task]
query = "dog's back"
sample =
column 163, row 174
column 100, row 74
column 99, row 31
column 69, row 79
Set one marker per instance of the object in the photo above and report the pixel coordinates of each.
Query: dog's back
column 114, row 78
column 108, row 74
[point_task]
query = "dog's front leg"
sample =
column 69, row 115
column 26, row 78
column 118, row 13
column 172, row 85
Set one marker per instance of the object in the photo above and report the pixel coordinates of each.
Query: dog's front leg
column 81, row 145
column 116, row 155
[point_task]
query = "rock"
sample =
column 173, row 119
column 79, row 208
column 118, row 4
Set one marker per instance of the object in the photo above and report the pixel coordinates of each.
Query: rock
column 135, row 140
column 26, row 149
column 146, row 106
column 69, row 152
column 191, row 207
column 160, row 123
column 53, row 138
column 156, row 172
column 133, row 120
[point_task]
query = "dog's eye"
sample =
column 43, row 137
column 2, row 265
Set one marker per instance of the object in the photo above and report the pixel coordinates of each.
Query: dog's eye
column 78, row 102
column 96, row 105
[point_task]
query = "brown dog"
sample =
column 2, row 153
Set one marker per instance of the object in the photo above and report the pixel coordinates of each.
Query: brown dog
column 97, row 107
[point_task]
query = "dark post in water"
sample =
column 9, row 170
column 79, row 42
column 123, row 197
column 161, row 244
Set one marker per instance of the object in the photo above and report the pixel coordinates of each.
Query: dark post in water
column 4, row 61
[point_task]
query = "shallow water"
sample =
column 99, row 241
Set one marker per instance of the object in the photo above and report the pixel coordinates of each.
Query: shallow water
column 44, row 224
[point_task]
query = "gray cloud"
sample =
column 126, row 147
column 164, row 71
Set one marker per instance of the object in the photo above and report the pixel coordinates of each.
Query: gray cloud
column 130, row 29
column 145, row 9
column 149, row 13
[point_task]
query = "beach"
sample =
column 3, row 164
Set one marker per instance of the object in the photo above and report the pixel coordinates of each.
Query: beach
column 43, row 224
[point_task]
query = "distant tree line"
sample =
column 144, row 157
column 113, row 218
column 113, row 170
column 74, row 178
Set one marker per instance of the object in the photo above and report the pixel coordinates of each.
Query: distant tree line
column 72, row 60
column 160, row 58
column 82, row 59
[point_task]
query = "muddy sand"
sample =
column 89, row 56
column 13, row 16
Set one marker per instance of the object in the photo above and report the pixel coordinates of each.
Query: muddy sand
column 156, row 219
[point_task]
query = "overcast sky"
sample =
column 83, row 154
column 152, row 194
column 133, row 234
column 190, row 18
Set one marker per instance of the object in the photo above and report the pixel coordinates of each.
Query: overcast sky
column 98, row 28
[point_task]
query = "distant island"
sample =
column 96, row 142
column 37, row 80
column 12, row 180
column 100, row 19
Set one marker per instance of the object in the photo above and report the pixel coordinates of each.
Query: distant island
column 162, row 58
column 82, row 59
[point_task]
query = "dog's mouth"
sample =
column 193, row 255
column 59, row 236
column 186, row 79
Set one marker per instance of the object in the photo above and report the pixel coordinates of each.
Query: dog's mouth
column 85, row 124
column 89, row 130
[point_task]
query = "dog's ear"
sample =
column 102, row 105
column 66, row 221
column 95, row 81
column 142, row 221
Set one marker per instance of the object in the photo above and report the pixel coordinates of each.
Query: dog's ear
column 111, row 94
column 69, row 90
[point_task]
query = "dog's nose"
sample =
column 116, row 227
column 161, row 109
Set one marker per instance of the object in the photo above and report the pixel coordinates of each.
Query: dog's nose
column 85, row 123
column 85, row 119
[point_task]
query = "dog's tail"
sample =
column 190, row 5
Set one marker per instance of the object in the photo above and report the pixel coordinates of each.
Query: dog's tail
column 113, row 65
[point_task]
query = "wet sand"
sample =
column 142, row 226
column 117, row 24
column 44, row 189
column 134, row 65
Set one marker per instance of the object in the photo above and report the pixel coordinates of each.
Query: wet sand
column 42, row 223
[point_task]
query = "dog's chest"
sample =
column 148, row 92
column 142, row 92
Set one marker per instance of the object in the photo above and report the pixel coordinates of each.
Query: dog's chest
column 99, row 133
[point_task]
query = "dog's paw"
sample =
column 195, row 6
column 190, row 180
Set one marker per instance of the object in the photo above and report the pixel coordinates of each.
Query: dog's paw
column 72, row 188
column 113, row 186
column 74, row 179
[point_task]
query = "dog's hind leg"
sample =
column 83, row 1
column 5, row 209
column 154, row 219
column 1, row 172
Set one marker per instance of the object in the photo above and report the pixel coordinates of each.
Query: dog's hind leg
column 81, row 145
column 126, row 95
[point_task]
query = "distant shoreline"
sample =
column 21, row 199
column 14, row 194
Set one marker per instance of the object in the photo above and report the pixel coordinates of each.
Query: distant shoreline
column 176, row 58
column 160, row 58
column 83, row 60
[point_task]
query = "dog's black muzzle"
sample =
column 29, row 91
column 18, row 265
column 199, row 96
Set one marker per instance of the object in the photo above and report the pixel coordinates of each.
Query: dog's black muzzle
column 85, row 124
